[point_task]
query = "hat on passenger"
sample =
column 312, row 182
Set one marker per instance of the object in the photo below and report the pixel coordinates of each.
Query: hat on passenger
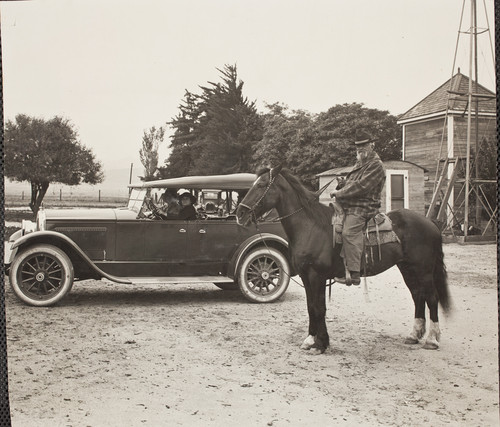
column 187, row 194
column 362, row 138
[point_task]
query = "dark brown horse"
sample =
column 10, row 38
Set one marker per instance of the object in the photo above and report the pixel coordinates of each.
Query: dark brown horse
column 307, row 224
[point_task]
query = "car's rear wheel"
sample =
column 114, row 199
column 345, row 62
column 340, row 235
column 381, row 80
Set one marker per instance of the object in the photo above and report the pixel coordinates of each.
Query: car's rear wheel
column 41, row 275
column 264, row 275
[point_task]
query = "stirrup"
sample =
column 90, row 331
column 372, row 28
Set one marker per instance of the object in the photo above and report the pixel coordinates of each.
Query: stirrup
column 348, row 280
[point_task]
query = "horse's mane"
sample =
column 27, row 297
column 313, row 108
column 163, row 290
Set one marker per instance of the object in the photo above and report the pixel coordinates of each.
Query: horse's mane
column 318, row 212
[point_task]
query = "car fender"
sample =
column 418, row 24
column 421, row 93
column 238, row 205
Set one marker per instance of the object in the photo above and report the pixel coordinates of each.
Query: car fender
column 53, row 237
column 251, row 242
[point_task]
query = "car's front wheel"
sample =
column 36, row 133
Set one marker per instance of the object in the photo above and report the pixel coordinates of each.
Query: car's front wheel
column 264, row 275
column 41, row 275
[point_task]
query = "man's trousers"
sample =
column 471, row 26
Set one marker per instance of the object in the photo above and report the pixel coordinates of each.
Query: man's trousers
column 352, row 240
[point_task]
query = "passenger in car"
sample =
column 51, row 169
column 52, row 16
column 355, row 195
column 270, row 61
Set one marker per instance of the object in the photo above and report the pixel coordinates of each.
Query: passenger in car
column 171, row 205
column 187, row 212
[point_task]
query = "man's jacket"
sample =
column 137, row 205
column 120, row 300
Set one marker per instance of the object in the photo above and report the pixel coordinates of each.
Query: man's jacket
column 361, row 192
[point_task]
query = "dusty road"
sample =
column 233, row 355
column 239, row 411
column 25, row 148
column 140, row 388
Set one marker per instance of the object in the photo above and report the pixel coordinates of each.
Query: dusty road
column 115, row 355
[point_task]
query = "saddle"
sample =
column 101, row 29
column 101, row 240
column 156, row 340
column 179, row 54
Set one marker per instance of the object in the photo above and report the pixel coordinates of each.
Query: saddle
column 378, row 229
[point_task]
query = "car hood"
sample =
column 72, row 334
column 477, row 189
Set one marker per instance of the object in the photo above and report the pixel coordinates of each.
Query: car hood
column 89, row 214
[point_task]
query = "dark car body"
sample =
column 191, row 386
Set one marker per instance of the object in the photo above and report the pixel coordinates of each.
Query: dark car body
column 131, row 245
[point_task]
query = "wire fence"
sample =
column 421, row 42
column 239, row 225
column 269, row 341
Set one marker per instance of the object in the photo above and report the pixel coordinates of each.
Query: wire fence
column 69, row 199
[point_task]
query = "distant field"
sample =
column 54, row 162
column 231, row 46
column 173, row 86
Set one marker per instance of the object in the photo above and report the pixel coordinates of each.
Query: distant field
column 67, row 201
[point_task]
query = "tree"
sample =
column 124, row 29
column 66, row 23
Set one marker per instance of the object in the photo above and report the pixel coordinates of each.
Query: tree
column 288, row 139
column 215, row 132
column 44, row 151
column 310, row 144
column 149, row 151
column 183, row 143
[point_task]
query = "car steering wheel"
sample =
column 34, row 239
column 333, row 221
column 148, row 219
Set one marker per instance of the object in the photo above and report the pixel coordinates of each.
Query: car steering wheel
column 155, row 212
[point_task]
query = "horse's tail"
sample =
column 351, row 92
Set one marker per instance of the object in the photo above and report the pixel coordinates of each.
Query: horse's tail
column 441, row 279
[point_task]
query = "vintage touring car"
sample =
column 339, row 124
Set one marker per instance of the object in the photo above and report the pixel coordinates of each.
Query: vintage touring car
column 135, row 244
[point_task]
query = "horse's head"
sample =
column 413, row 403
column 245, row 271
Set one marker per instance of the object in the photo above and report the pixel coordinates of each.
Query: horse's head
column 261, row 198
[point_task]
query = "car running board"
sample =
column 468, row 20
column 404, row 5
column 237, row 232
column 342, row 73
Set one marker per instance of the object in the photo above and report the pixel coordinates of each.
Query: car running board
column 170, row 280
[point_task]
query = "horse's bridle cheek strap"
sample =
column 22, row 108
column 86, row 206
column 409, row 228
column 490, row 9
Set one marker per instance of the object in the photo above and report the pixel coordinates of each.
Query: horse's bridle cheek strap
column 257, row 203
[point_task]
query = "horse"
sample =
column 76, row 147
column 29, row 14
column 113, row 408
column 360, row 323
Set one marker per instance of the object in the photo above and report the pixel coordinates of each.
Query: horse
column 314, row 256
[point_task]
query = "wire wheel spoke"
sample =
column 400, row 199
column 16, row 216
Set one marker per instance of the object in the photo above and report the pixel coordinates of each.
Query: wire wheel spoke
column 30, row 265
column 55, row 270
column 48, row 282
column 27, row 274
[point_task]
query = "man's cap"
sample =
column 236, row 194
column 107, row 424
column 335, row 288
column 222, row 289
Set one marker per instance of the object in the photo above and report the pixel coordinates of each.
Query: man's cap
column 362, row 138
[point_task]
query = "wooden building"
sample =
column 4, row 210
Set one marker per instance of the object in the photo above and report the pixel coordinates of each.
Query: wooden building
column 435, row 129
column 404, row 185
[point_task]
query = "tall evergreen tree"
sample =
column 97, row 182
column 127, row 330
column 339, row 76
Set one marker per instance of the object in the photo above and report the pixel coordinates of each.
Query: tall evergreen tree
column 184, row 140
column 215, row 132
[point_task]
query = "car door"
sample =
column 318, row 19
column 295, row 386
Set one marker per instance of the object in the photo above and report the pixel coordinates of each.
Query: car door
column 211, row 244
column 153, row 248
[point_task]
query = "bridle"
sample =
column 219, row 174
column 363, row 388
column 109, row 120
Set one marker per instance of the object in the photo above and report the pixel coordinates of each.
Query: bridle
column 259, row 201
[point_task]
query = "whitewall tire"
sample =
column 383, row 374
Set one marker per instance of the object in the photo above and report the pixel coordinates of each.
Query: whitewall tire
column 264, row 275
column 41, row 275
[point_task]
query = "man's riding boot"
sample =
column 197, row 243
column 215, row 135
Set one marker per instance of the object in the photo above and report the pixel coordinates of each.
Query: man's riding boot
column 352, row 279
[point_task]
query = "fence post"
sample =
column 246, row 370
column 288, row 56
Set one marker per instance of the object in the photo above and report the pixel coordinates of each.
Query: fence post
column 99, row 195
column 60, row 194
column 22, row 196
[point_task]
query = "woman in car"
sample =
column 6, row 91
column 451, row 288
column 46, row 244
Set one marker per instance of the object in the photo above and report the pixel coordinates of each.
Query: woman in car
column 188, row 211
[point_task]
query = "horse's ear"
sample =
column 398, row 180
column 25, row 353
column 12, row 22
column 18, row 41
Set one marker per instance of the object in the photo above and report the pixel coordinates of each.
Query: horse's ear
column 277, row 170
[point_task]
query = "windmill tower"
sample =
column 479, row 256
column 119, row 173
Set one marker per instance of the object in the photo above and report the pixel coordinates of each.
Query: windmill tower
column 462, row 197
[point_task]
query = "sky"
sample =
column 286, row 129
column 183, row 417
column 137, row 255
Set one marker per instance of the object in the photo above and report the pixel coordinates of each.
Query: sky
column 115, row 68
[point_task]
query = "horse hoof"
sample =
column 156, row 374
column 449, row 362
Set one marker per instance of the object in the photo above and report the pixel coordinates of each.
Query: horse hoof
column 411, row 340
column 316, row 351
column 429, row 345
column 308, row 342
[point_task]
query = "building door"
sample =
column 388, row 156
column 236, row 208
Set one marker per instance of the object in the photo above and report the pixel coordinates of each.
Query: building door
column 397, row 196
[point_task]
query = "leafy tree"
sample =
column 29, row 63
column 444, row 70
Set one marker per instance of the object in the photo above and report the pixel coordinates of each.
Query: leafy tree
column 288, row 139
column 149, row 151
column 215, row 131
column 309, row 144
column 43, row 151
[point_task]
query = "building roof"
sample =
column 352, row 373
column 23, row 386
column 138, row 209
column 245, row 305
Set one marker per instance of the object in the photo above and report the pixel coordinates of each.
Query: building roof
column 437, row 101
column 344, row 170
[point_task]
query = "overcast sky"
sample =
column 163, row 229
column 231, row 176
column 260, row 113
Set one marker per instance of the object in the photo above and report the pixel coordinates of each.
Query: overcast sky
column 116, row 68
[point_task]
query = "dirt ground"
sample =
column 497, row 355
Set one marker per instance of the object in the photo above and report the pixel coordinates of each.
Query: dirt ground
column 194, row 355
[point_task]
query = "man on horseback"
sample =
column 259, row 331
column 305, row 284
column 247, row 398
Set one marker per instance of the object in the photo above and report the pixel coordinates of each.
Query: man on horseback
column 359, row 195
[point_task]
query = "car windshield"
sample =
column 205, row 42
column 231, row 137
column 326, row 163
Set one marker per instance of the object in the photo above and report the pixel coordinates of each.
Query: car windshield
column 210, row 202
column 136, row 199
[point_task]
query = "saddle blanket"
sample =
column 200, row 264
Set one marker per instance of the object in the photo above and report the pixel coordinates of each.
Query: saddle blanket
column 378, row 231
